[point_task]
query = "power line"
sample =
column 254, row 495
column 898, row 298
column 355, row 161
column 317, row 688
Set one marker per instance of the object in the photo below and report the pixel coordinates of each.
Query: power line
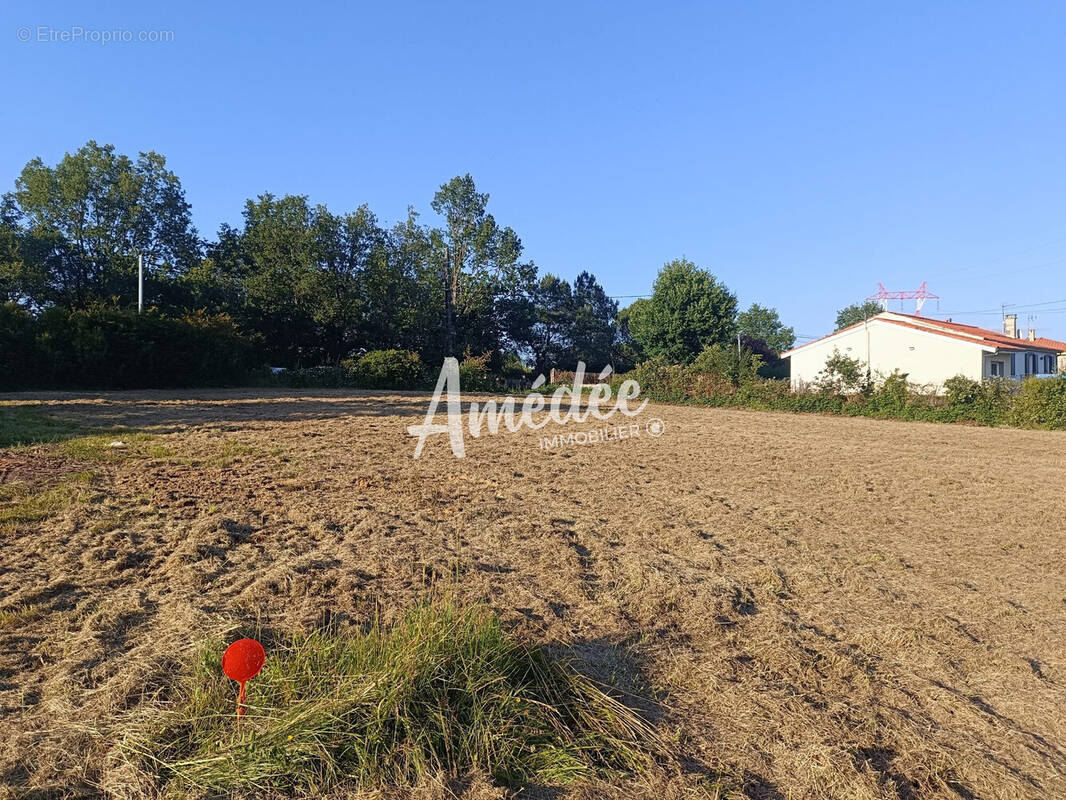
column 1003, row 307
column 998, row 259
column 1034, row 305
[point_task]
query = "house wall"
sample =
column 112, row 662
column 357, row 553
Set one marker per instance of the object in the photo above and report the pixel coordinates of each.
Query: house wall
column 1042, row 366
column 926, row 358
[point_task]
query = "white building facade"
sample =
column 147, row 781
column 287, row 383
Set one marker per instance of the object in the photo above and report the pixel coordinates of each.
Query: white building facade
column 930, row 351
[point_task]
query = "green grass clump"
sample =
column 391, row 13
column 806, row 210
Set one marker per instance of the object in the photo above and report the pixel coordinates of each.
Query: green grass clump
column 97, row 447
column 26, row 425
column 20, row 505
column 444, row 691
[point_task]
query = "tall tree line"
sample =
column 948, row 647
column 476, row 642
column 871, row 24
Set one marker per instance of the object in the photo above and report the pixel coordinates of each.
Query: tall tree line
column 308, row 285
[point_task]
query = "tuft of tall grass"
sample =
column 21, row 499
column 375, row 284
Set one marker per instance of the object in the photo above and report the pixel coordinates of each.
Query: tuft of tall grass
column 444, row 690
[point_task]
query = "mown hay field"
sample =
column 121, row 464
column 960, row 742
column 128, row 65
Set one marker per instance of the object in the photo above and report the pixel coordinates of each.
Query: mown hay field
column 804, row 606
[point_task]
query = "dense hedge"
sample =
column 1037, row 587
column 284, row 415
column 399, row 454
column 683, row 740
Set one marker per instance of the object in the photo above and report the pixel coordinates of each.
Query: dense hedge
column 1033, row 403
column 107, row 347
column 392, row 369
column 387, row 369
column 1041, row 404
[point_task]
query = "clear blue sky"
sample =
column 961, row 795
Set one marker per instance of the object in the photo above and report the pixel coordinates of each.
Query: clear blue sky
column 801, row 152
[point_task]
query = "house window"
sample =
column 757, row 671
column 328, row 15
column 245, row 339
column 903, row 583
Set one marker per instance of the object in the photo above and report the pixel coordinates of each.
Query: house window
column 997, row 369
column 1030, row 363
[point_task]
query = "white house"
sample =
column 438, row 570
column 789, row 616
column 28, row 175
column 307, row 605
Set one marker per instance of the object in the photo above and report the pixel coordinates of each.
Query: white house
column 930, row 351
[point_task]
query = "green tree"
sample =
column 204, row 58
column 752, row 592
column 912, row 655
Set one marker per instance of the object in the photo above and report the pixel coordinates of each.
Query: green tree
column 857, row 312
column 553, row 321
column 83, row 222
column 278, row 246
column 689, row 309
column 562, row 325
column 415, row 306
column 473, row 257
column 627, row 353
column 594, row 329
column 763, row 323
column 310, row 278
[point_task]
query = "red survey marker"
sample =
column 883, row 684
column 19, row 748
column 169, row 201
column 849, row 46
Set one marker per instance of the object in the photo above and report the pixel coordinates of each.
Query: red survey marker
column 241, row 662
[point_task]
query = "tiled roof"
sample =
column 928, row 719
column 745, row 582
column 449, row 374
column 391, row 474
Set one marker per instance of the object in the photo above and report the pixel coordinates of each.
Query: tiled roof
column 953, row 330
column 999, row 338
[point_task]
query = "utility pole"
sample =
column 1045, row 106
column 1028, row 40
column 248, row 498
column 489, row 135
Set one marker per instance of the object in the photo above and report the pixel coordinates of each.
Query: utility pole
column 449, row 305
column 140, row 283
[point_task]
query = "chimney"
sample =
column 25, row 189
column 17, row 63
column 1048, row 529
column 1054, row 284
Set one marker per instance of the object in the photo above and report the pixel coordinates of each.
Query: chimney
column 1010, row 325
column 1032, row 335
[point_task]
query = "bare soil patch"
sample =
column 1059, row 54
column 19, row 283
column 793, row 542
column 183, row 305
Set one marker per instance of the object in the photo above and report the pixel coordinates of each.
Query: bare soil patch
column 811, row 606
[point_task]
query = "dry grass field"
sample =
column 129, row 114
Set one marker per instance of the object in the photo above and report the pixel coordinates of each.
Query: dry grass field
column 808, row 607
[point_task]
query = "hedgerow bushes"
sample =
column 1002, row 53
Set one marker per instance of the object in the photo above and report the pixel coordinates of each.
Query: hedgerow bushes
column 108, row 347
column 1040, row 404
column 986, row 402
column 18, row 347
column 393, row 369
column 387, row 369
column 718, row 379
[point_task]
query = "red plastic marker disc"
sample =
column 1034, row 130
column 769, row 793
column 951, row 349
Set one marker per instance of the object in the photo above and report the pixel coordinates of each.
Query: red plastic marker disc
column 243, row 659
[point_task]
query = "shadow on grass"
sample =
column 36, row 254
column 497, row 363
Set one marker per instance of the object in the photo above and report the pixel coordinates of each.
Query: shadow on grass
column 28, row 425
column 178, row 410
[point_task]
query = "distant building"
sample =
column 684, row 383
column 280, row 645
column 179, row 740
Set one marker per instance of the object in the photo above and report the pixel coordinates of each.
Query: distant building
column 930, row 351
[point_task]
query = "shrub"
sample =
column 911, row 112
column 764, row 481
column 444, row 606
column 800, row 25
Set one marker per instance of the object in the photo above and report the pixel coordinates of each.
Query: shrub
column 387, row 369
column 323, row 377
column 659, row 380
column 961, row 391
column 842, row 375
column 987, row 402
column 1040, row 403
column 777, row 395
column 512, row 368
column 211, row 349
column 734, row 365
column 993, row 402
column 892, row 397
column 446, row 689
column 474, row 374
